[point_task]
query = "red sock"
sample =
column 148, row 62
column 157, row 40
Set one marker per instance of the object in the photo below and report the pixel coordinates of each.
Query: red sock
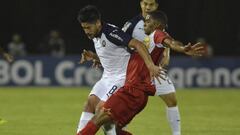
column 89, row 129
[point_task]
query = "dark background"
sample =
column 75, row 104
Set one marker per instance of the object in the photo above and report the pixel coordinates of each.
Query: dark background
column 215, row 20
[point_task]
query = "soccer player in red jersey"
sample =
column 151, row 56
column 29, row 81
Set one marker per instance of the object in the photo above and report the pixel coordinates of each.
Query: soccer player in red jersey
column 130, row 99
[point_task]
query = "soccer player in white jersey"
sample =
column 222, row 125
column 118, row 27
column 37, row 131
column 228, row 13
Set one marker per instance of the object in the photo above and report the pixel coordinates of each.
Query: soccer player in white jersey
column 165, row 90
column 5, row 55
column 111, row 45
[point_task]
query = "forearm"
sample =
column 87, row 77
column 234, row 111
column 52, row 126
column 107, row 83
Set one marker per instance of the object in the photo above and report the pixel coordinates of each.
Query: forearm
column 177, row 46
column 166, row 57
column 143, row 52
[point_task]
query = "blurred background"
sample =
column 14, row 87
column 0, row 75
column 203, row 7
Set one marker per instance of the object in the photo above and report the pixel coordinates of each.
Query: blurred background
column 47, row 30
column 216, row 21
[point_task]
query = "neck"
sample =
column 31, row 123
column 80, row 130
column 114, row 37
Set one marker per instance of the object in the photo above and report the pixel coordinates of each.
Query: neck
column 144, row 15
column 99, row 30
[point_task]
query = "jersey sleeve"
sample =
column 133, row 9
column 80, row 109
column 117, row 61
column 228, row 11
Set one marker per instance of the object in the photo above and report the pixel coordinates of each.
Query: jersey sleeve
column 159, row 37
column 128, row 27
column 119, row 38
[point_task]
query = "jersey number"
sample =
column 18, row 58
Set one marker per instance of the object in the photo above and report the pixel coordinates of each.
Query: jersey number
column 110, row 92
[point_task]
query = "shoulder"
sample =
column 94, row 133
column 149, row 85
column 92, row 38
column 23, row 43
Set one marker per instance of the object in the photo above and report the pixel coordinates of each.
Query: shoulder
column 108, row 28
column 159, row 36
column 129, row 25
column 115, row 34
column 112, row 31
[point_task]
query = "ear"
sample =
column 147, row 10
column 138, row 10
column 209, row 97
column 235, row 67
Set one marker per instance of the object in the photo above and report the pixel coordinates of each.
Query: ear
column 158, row 25
column 98, row 23
column 156, row 7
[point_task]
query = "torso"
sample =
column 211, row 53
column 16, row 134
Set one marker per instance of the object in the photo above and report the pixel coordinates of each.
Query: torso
column 112, row 54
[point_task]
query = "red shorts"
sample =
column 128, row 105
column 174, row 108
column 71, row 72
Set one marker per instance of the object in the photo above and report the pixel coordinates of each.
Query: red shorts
column 125, row 104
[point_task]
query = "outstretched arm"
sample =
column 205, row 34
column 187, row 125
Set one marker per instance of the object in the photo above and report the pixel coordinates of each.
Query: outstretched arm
column 189, row 49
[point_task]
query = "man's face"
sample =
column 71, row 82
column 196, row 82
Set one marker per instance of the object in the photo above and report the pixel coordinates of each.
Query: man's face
column 91, row 29
column 149, row 25
column 148, row 6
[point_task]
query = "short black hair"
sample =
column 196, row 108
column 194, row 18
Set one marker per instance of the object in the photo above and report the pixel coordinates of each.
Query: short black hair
column 89, row 14
column 159, row 16
column 157, row 1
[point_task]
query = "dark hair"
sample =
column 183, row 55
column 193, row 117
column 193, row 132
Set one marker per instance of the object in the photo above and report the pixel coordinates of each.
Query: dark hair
column 159, row 16
column 157, row 1
column 89, row 14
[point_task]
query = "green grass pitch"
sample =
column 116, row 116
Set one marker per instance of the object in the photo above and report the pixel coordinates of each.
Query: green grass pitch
column 56, row 111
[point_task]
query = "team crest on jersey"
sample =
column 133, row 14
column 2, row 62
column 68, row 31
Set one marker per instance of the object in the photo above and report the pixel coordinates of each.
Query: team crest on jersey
column 146, row 41
column 103, row 43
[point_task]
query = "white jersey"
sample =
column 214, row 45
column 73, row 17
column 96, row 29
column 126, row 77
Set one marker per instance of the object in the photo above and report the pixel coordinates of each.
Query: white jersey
column 135, row 28
column 111, row 48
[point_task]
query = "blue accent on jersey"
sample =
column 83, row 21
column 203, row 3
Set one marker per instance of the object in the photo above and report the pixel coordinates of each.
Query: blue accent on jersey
column 130, row 25
column 116, row 35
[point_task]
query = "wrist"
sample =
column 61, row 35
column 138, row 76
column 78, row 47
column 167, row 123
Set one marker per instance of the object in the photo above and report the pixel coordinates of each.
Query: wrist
column 150, row 65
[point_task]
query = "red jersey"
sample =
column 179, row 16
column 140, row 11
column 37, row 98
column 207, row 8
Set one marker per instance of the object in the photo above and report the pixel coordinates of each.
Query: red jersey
column 137, row 72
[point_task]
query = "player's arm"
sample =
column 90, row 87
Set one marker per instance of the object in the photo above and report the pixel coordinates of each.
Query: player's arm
column 166, row 58
column 189, row 49
column 155, row 71
column 88, row 55
column 121, row 38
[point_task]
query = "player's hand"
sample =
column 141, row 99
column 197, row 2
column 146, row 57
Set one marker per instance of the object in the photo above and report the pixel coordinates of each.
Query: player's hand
column 8, row 57
column 194, row 50
column 96, row 64
column 157, row 72
column 89, row 56
column 86, row 56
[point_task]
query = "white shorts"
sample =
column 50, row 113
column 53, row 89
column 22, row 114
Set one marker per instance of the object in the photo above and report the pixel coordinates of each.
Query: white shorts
column 105, row 87
column 164, row 87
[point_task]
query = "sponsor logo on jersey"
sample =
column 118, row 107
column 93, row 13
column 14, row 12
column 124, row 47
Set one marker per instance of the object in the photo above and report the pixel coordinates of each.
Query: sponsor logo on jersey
column 115, row 36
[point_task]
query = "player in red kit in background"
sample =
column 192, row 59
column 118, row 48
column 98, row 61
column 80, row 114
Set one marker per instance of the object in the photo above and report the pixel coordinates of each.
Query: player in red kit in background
column 130, row 99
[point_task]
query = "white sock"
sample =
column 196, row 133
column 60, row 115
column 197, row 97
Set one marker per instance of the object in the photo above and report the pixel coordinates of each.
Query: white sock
column 85, row 117
column 111, row 131
column 174, row 120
